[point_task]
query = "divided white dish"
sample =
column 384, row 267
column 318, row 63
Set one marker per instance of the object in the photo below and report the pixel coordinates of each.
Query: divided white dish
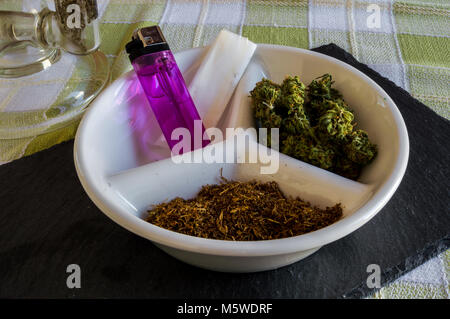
column 116, row 163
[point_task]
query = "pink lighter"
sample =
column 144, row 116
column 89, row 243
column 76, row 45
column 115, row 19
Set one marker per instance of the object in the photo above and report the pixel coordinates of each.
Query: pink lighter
column 164, row 85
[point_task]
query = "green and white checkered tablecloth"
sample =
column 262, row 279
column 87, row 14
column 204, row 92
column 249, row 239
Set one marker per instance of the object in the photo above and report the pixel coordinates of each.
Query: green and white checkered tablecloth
column 409, row 42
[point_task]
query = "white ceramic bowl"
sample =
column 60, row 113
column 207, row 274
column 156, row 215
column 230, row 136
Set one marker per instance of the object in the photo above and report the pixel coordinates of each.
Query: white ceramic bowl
column 115, row 161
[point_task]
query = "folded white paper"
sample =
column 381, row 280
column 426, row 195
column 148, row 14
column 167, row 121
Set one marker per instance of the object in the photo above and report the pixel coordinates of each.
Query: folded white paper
column 218, row 75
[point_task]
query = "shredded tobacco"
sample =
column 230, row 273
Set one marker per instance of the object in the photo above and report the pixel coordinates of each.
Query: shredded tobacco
column 242, row 211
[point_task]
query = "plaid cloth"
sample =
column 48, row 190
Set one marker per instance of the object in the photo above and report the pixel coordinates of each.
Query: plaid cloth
column 406, row 41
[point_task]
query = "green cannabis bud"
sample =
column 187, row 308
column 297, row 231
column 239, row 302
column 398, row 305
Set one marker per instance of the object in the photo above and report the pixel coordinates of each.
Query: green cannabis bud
column 264, row 96
column 291, row 103
column 292, row 93
column 306, row 149
column 359, row 149
column 320, row 89
column 266, row 92
column 316, row 124
column 345, row 167
column 295, row 122
column 336, row 121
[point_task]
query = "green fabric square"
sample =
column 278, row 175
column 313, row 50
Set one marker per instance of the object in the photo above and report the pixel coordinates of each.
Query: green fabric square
column 430, row 86
column 11, row 5
column 322, row 37
column 296, row 37
column 43, row 141
column 209, row 32
column 422, row 18
column 406, row 290
column 429, row 81
column 13, row 149
column 271, row 13
column 121, row 65
column 133, row 11
column 425, row 50
column 446, row 260
column 116, row 35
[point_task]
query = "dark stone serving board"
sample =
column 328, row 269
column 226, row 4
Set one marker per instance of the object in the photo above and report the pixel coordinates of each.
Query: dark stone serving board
column 47, row 222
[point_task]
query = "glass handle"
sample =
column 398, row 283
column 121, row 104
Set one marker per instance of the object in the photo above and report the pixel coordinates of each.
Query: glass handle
column 17, row 26
column 73, row 27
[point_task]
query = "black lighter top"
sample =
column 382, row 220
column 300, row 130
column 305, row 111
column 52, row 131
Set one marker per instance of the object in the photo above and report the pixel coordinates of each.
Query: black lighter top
column 146, row 40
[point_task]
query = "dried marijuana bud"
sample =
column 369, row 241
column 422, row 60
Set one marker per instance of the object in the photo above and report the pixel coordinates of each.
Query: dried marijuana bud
column 264, row 96
column 345, row 167
column 320, row 89
column 316, row 124
column 306, row 149
column 336, row 121
column 242, row 211
column 291, row 102
column 359, row 149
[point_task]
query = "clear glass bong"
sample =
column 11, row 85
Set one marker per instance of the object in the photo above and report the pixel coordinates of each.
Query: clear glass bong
column 54, row 44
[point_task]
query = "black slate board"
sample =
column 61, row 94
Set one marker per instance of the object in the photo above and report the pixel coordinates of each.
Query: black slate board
column 48, row 222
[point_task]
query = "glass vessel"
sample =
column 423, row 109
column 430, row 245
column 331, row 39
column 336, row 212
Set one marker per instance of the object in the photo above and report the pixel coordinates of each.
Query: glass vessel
column 50, row 65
